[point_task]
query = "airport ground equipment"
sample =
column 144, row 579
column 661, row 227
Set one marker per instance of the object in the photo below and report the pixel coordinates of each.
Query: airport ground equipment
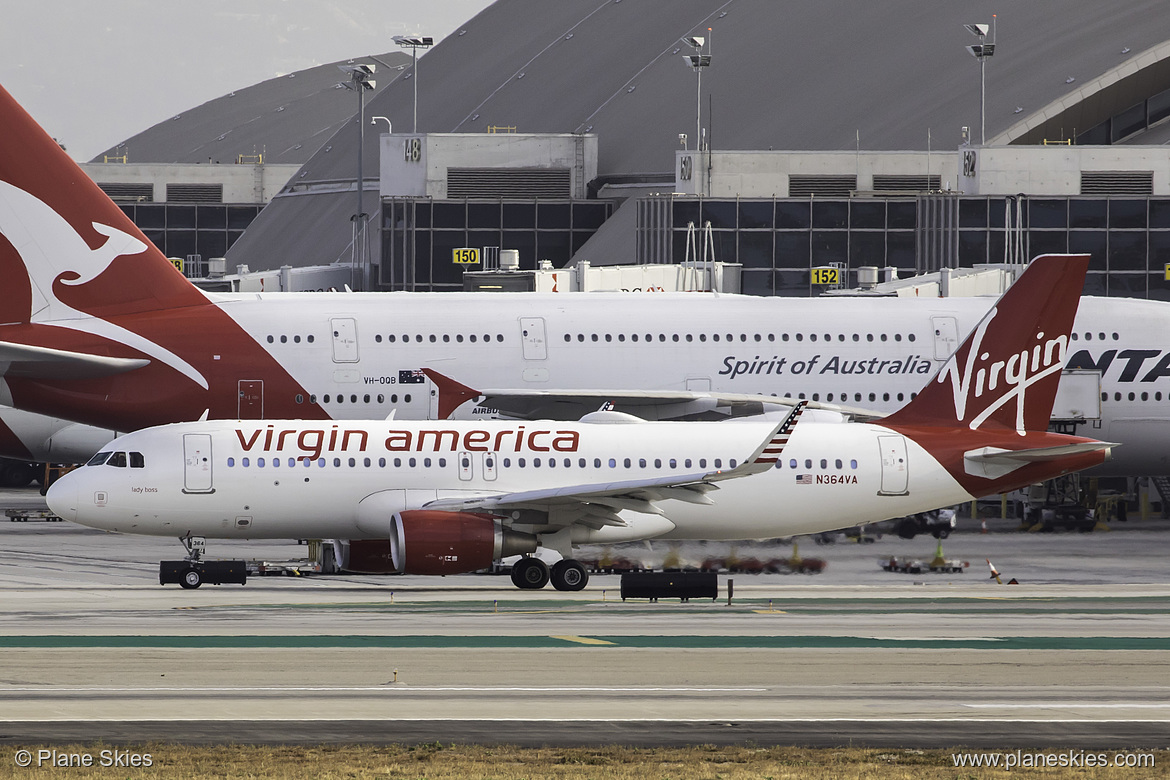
column 683, row 586
column 192, row 574
column 193, row 570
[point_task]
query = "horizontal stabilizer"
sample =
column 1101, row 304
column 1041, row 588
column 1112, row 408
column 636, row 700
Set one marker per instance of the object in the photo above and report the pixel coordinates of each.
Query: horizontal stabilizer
column 28, row 362
column 994, row 462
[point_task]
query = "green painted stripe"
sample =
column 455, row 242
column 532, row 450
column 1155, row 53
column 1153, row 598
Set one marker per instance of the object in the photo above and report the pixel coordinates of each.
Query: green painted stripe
column 537, row 641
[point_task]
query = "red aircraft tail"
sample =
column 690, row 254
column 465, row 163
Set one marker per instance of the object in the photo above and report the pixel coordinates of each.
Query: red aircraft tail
column 1006, row 372
column 65, row 247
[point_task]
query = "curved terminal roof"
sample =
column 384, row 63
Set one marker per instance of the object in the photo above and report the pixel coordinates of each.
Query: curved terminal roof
column 285, row 118
column 830, row 75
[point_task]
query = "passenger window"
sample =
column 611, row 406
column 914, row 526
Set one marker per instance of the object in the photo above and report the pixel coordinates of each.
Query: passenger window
column 853, row 464
column 231, row 462
column 824, row 463
column 243, row 462
column 641, row 461
column 259, row 462
column 612, row 461
column 337, row 461
column 412, row 463
column 837, row 462
column 791, row 461
column 731, row 463
column 596, row 461
column 426, row 462
column 519, row 461
column 687, row 463
column 702, row 463
column 673, row 462
column 808, row 463
column 442, row 463
column 719, row 463
column 119, row 459
column 626, row 462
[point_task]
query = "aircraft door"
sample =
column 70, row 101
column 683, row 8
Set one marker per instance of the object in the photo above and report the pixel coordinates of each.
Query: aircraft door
column 345, row 347
column 946, row 336
column 251, row 405
column 895, row 471
column 489, row 465
column 197, row 463
column 466, row 469
column 532, row 332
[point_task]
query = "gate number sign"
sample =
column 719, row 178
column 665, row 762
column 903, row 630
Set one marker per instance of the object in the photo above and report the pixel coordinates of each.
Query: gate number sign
column 465, row 256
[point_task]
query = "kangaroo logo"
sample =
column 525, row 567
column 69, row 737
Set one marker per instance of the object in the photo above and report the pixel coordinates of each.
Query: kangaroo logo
column 52, row 250
column 1019, row 372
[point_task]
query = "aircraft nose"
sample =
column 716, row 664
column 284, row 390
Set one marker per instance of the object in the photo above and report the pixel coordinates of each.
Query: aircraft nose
column 62, row 498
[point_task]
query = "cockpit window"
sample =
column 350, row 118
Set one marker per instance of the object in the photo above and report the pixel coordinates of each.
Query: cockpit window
column 98, row 459
column 117, row 459
column 137, row 461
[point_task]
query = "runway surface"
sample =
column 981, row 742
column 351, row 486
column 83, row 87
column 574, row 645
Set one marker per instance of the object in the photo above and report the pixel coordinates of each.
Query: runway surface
column 1077, row 655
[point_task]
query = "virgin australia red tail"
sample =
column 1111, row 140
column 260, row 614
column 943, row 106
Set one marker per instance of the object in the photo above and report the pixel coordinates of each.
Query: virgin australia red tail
column 985, row 415
column 1006, row 373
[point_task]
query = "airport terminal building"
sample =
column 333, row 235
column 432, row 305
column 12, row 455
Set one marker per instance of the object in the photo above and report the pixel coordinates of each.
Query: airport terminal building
column 594, row 136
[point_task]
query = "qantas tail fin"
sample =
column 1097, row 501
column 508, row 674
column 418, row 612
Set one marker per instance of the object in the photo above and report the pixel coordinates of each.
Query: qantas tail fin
column 65, row 247
column 1005, row 374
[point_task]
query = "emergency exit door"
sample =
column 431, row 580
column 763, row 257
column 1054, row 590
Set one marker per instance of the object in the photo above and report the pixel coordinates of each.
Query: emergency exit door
column 197, row 463
column 345, row 346
column 251, row 399
column 532, row 334
column 895, row 469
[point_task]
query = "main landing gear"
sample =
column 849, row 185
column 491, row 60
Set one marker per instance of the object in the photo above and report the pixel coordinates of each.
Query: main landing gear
column 533, row 574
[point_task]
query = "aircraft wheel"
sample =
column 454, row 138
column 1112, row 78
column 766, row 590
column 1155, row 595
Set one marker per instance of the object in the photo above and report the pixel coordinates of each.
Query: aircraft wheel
column 530, row 574
column 569, row 575
column 192, row 579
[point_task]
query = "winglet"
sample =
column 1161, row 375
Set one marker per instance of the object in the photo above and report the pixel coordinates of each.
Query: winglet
column 452, row 394
column 768, row 453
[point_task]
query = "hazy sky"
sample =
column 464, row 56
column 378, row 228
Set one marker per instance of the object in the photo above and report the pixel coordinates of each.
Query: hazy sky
column 95, row 72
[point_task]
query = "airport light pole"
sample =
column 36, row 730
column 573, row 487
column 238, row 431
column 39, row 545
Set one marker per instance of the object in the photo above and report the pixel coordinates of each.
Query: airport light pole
column 697, row 62
column 981, row 51
column 360, row 80
column 414, row 43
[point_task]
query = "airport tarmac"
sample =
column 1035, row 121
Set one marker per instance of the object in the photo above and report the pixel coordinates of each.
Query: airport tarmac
column 1076, row 655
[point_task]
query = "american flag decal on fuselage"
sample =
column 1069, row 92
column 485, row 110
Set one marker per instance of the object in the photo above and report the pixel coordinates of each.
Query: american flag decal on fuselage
column 774, row 448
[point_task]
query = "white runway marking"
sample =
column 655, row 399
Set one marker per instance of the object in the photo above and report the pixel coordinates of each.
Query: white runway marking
column 382, row 688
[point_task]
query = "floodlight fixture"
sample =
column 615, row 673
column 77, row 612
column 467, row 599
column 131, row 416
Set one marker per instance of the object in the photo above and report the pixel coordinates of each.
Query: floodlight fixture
column 981, row 51
column 360, row 81
column 697, row 62
column 414, row 43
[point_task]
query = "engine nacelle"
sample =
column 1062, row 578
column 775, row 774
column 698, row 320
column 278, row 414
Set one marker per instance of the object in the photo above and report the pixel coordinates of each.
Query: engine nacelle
column 433, row 542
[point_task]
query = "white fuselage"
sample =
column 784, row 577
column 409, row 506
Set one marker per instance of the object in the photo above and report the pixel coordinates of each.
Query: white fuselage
column 357, row 355
column 211, row 480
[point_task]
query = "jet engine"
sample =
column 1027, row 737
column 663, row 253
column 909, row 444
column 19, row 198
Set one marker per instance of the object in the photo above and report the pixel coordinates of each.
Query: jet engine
column 434, row 542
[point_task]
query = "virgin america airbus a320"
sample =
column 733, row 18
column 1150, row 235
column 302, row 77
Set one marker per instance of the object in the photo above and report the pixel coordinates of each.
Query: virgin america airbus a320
column 451, row 497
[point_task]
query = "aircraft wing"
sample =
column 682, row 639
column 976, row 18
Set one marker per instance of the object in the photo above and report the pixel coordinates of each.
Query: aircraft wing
column 529, row 404
column 29, row 362
column 598, row 504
